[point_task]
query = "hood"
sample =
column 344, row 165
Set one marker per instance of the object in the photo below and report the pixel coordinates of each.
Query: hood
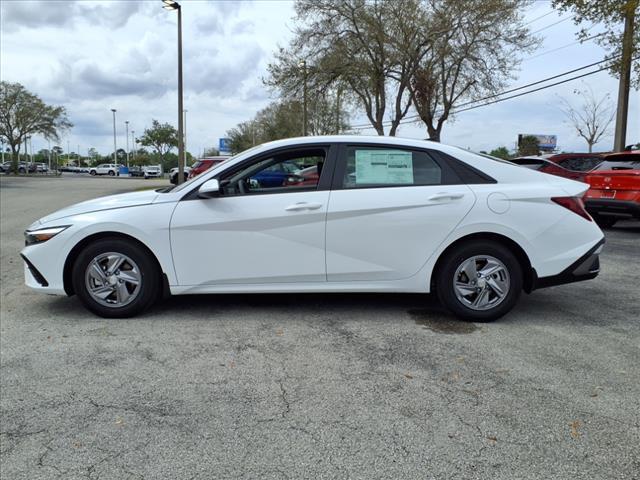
column 122, row 200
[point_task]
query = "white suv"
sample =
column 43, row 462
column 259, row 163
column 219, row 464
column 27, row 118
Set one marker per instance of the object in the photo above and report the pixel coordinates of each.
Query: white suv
column 111, row 169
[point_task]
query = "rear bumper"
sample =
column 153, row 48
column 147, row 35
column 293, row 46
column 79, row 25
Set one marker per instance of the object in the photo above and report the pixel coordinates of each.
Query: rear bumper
column 585, row 268
column 612, row 207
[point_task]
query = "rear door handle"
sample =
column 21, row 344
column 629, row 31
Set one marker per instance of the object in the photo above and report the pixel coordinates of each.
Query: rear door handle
column 445, row 196
column 296, row 207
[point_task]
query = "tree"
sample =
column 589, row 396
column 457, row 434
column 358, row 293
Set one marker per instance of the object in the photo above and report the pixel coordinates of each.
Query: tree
column 211, row 152
column 592, row 118
column 474, row 56
column 528, row 145
column 162, row 137
column 500, row 152
column 24, row 114
column 284, row 119
column 611, row 15
column 367, row 51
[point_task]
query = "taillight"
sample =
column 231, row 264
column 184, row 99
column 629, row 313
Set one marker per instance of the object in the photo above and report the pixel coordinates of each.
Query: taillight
column 574, row 204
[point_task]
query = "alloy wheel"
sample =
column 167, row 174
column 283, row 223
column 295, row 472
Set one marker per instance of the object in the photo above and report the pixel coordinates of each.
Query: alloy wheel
column 113, row 279
column 481, row 282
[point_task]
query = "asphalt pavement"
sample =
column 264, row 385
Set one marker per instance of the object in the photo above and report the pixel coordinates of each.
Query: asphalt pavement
column 315, row 386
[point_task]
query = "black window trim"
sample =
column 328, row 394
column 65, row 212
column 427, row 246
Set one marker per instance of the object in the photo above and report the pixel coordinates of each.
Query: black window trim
column 324, row 182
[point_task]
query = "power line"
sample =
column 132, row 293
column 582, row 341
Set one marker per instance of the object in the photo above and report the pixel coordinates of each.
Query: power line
column 454, row 111
column 552, row 24
column 538, row 18
column 511, row 90
column 562, row 47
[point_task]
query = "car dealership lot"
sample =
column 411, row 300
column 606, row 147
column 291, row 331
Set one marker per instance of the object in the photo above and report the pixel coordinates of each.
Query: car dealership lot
column 315, row 386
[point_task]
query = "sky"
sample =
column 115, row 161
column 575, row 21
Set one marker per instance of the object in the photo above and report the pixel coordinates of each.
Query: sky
column 91, row 57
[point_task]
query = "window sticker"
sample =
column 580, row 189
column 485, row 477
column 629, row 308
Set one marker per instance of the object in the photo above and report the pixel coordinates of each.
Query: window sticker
column 384, row 167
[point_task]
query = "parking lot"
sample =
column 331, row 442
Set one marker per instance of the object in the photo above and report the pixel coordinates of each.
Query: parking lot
column 315, row 386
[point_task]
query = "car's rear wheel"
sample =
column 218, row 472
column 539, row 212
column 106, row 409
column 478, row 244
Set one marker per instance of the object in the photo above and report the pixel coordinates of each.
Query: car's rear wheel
column 479, row 280
column 92, row 172
column 112, row 173
column 116, row 278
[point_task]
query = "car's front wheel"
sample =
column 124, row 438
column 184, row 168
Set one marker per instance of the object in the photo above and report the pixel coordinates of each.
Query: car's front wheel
column 112, row 173
column 92, row 172
column 479, row 280
column 116, row 278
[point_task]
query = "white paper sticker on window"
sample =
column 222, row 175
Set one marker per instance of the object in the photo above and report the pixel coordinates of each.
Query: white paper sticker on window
column 384, row 167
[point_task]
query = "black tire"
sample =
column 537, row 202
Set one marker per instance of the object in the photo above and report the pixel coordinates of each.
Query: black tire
column 112, row 173
column 150, row 277
column 605, row 221
column 186, row 176
column 92, row 172
column 455, row 258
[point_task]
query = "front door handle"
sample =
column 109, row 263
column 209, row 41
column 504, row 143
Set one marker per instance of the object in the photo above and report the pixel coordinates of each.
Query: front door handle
column 445, row 196
column 296, row 207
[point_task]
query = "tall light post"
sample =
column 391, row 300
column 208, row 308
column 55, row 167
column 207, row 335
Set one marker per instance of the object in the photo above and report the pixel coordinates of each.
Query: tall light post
column 303, row 65
column 126, row 126
column 115, row 148
column 173, row 5
column 185, row 135
column 133, row 143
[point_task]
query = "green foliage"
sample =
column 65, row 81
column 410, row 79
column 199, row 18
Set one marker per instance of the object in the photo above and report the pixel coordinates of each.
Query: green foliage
column 528, row 145
column 24, row 114
column 162, row 137
column 609, row 14
column 500, row 152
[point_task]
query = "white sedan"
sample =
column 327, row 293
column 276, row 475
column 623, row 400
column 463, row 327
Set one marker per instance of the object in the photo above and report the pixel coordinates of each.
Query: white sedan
column 380, row 215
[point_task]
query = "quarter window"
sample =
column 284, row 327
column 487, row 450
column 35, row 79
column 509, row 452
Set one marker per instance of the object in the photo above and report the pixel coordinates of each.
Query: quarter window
column 368, row 167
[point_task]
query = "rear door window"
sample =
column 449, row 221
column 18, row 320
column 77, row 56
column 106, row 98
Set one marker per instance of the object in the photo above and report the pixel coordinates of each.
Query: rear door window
column 370, row 167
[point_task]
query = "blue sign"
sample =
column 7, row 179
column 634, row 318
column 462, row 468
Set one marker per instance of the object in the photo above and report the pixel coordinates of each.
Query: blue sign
column 223, row 145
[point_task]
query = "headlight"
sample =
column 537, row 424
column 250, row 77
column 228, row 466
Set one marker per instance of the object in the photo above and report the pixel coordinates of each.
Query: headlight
column 42, row 235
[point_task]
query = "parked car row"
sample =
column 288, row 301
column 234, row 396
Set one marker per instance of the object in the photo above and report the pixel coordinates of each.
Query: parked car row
column 23, row 167
column 614, row 180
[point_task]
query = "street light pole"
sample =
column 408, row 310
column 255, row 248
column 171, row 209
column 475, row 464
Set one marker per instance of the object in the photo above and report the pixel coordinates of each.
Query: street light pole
column 126, row 126
column 185, row 135
column 133, row 143
column 173, row 5
column 115, row 148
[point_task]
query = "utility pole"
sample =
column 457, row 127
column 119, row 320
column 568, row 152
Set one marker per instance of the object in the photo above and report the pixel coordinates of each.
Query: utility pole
column 133, row 143
column 622, row 112
column 339, row 91
column 303, row 64
column 126, row 126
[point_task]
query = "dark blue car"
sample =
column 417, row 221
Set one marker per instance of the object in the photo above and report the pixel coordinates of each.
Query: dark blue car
column 275, row 175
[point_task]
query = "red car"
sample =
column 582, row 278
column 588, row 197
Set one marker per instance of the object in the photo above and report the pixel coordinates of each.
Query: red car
column 305, row 177
column 205, row 164
column 578, row 162
column 544, row 165
column 615, row 189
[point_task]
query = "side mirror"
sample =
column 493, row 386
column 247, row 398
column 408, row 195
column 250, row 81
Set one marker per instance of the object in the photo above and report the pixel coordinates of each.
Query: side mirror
column 210, row 188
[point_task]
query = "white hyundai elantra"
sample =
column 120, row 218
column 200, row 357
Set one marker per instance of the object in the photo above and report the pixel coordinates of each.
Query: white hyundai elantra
column 325, row 214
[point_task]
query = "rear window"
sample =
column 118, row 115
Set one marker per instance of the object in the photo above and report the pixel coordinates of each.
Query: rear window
column 197, row 164
column 630, row 161
column 530, row 163
column 580, row 164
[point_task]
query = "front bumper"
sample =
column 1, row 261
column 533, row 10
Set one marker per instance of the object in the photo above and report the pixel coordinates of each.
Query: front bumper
column 612, row 207
column 585, row 268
